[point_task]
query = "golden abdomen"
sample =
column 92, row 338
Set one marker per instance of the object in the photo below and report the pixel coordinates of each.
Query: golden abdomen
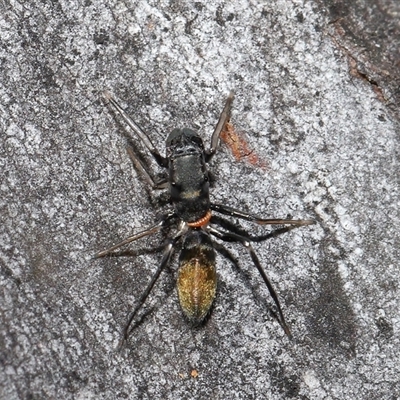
column 197, row 279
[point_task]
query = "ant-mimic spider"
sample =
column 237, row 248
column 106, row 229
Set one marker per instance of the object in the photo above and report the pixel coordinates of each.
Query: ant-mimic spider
column 188, row 183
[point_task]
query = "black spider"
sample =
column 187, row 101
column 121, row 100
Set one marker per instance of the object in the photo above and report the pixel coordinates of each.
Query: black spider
column 188, row 184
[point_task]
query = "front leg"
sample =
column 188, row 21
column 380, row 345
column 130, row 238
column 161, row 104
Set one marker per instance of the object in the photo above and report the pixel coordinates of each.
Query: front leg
column 162, row 161
column 223, row 119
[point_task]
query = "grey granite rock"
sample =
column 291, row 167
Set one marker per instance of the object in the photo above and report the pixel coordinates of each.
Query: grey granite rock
column 318, row 112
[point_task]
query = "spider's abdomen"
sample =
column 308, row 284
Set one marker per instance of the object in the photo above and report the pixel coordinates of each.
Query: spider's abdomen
column 197, row 277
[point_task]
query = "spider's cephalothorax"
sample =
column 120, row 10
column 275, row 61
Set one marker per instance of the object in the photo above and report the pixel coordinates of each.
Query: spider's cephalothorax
column 188, row 183
column 187, row 175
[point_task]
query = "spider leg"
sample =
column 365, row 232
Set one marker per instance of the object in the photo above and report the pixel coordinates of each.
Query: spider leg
column 233, row 237
column 225, row 253
column 228, row 255
column 168, row 249
column 223, row 119
column 166, row 256
column 226, row 210
column 162, row 161
column 230, row 226
column 149, row 231
column 145, row 173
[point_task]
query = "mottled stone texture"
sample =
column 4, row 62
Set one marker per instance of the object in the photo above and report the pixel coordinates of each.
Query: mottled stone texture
column 317, row 94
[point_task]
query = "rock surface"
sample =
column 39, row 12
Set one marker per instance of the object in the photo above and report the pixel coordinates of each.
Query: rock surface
column 316, row 100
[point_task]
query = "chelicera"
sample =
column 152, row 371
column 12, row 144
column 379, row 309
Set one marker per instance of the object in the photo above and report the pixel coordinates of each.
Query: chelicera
column 196, row 218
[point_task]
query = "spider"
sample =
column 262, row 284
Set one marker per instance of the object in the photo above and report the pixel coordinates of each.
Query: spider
column 188, row 184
